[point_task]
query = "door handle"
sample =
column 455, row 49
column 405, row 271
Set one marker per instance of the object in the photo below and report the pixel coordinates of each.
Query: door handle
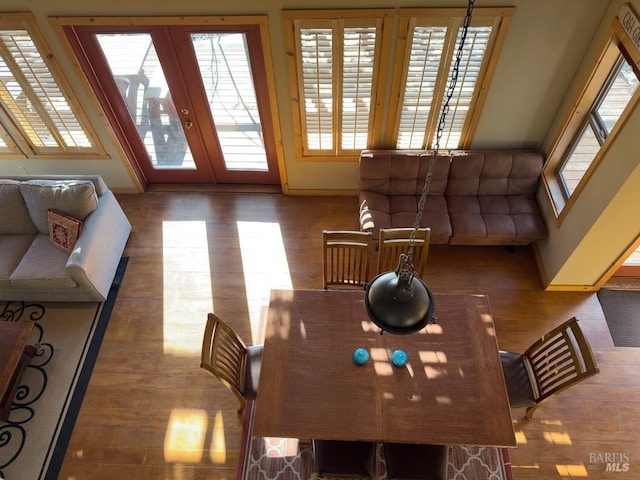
column 188, row 124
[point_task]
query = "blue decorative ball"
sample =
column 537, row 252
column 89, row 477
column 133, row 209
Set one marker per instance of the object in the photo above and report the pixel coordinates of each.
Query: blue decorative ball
column 360, row 356
column 399, row 358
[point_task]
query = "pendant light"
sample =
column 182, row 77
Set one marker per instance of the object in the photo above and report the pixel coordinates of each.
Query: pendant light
column 399, row 302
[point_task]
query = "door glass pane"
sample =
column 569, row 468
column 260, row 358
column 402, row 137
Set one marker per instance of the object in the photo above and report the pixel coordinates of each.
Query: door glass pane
column 137, row 71
column 223, row 60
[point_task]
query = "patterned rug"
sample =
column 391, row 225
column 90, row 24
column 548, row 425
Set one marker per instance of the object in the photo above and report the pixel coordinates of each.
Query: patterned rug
column 286, row 459
column 34, row 440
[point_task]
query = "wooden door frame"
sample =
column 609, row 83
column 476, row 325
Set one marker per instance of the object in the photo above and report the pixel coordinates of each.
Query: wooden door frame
column 263, row 61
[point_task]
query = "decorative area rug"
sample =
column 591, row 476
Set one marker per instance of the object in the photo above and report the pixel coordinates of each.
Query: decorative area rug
column 68, row 336
column 622, row 312
column 286, row 459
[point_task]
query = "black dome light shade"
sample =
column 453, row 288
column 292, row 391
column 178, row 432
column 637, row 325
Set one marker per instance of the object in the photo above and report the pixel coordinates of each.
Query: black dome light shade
column 399, row 302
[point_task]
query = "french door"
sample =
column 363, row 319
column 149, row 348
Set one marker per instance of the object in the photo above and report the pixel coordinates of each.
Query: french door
column 188, row 103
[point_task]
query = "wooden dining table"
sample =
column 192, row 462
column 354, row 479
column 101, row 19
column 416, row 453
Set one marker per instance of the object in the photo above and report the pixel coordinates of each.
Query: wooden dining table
column 450, row 392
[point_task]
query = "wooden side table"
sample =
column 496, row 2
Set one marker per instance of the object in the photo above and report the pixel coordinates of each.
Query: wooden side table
column 15, row 355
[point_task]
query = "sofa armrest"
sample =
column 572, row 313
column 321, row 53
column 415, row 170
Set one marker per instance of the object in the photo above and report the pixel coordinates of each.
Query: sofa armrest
column 97, row 252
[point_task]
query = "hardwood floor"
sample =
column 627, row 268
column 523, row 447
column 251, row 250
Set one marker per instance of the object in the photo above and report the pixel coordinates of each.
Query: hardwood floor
column 150, row 412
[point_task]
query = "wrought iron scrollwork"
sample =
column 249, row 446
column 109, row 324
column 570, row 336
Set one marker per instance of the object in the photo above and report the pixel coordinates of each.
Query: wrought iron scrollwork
column 12, row 433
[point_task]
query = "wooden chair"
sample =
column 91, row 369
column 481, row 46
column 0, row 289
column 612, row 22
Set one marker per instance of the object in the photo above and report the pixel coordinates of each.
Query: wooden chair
column 226, row 357
column 416, row 462
column 336, row 459
column 394, row 241
column 559, row 360
column 346, row 258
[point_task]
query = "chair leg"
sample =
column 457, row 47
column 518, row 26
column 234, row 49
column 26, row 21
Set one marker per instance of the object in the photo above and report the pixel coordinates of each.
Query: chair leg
column 529, row 414
column 242, row 406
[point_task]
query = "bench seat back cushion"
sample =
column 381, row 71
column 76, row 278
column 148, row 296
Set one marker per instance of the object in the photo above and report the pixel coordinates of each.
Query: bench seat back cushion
column 390, row 185
column 75, row 198
column 494, row 173
column 401, row 172
column 15, row 218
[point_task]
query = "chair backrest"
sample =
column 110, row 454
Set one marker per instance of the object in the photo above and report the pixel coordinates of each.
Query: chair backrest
column 394, row 241
column 346, row 258
column 560, row 359
column 224, row 355
column 406, row 461
column 344, row 459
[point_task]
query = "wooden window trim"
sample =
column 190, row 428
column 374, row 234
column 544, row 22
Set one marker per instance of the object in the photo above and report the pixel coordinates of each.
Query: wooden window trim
column 498, row 18
column 616, row 42
column 380, row 17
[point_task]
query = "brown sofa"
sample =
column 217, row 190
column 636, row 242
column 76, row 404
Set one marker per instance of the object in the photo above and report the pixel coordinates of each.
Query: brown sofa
column 475, row 197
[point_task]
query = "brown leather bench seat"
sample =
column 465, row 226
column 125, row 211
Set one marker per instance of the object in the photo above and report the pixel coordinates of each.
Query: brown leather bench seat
column 475, row 197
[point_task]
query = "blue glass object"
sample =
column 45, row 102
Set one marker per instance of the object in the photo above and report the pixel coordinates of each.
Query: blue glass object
column 399, row 358
column 360, row 356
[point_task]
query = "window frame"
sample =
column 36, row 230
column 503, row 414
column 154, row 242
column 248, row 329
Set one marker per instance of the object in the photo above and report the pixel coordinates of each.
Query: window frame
column 293, row 19
column 616, row 44
column 451, row 18
column 14, row 134
column 394, row 49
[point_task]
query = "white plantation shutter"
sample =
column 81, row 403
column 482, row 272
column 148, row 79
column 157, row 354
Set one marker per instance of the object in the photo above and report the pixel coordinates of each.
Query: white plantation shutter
column 33, row 100
column 352, row 91
column 316, row 46
column 336, row 70
column 422, row 75
column 471, row 61
column 421, row 89
column 357, row 81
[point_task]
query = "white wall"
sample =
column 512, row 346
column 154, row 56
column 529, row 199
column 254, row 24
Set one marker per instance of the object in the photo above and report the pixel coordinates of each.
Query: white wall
column 604, row 220
column 550, row 47
column 544, row 46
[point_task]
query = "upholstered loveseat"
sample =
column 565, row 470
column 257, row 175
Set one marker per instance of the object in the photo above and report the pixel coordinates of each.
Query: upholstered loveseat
column 475, row 197
column 34, row 265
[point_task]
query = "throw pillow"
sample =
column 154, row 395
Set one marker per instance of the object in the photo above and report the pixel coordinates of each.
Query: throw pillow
column 63, row 230
column 76, row 198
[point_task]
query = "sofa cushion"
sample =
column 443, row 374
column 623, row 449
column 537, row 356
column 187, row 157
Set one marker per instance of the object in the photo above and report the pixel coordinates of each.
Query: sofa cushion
column 401, row 172
column 374, row 211
column 42, row 267
column 494, row 173
column 76, row 198
column 13, row 211
column 13, row 248
column 494, row 220
column 435, row 215
column 390, row 185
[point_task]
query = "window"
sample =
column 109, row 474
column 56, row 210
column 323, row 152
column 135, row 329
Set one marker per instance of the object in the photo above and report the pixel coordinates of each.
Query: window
column 346, row 88
column 38, row 118
column 603, row 116
column 336, row 75
column 609, row 94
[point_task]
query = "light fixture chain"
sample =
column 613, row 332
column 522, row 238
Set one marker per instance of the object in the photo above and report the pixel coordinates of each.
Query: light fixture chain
column 408, row 258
